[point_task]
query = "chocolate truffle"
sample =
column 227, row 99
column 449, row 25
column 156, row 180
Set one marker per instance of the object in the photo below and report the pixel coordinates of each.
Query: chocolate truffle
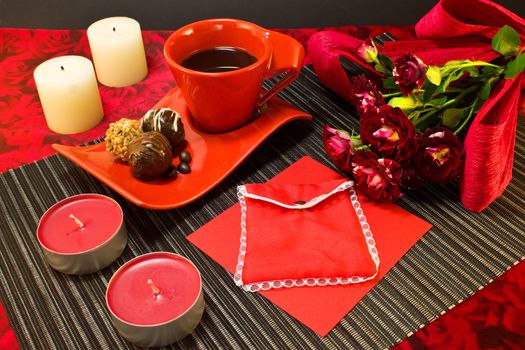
column 167, row 122
column 150, row 156
column 119, row 135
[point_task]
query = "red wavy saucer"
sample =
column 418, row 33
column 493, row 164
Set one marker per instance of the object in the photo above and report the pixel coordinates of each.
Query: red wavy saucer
column 215, row 156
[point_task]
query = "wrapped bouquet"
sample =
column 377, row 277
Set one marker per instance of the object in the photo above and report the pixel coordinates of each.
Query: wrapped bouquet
column 430, row 110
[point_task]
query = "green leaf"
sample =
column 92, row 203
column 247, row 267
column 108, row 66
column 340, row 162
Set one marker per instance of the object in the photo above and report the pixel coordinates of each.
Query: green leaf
column 390, row 83
column 385, row 61
column 489, row 71
column 452, row 117
column 437, row 102
column 473, row 71
column 356, row 141
column 384, row 64
column 506, row 41
column 455, row 63
column 404, row 102
column 344, row 132
column 515, row 67
column 362, row 147
column 426, row 123
column 433, row 75
column 485, row 91
column 414, row 115
column 417, row 98
column 429, row 91
column 380, row 68
column 455, row 75
column 451, row 66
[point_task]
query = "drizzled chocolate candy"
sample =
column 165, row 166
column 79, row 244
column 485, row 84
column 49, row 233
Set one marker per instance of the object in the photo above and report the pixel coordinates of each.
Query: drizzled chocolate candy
column 167, row 122
column 150, row 156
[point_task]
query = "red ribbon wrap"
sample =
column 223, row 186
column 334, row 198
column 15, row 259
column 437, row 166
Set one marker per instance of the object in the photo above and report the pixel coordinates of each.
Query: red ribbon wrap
column 445, row 33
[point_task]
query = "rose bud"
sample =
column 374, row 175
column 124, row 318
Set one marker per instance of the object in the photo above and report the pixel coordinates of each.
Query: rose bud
column 377, row 178
column 338, row 145
column 409, row 73
column 440, row 155
column 367, row 51
column 389, row 132
column 365, row 95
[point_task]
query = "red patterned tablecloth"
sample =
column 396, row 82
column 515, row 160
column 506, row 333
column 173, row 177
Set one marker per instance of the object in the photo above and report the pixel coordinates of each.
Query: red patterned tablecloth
column 488, row 320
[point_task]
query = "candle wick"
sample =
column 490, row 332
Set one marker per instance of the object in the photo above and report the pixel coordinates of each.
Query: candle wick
column 154, row 289
column 77, row 221
column 62, row 67
column 114, row 29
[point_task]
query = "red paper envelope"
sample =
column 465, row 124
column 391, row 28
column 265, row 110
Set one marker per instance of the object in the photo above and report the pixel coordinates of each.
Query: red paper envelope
column 319, row 308
column 303, row 235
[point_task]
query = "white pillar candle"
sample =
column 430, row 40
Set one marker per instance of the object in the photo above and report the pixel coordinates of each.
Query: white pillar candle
column 69, row 94
column 118, row 51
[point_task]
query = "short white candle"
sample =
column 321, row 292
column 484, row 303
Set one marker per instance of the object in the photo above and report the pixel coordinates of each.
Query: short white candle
column 118, row 51
column 69, row 94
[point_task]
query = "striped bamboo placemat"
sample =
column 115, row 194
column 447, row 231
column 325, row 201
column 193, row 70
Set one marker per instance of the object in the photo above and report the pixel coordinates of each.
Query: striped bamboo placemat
column 462, row 252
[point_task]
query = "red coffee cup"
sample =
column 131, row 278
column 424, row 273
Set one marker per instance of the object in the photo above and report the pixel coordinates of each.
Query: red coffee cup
column 224, row 101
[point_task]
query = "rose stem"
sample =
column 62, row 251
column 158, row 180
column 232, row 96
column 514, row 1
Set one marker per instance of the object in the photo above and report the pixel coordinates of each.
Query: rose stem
column 445, row 105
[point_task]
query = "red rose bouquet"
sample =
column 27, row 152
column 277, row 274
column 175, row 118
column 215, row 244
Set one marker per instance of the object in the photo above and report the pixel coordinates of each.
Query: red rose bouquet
column 413, row 123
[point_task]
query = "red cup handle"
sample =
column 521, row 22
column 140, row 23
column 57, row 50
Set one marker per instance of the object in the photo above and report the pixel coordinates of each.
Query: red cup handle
column 287, row 58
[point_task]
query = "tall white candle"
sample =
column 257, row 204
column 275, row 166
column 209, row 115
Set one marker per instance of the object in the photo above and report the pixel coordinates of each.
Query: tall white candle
column 69, row 94
column 118, row 51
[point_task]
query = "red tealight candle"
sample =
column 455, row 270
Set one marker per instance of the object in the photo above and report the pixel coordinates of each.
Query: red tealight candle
column 82, row 234
column 155, row 299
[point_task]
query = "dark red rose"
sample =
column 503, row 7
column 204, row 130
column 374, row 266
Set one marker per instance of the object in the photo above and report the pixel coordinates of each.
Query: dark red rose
column 440, row 155
column 365, row 94
column 377, row 178
column 338, row 145
column 389, row 133
column 409, row 73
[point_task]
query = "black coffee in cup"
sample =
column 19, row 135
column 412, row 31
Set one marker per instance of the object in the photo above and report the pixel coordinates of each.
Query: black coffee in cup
column 218, row 59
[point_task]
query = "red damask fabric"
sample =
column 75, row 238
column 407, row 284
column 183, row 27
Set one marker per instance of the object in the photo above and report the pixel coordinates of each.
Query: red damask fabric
column 491, row 319
column 488, row 320
column 24, row 136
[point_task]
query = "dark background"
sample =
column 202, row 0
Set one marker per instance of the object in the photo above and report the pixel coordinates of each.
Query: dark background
column 171, row 14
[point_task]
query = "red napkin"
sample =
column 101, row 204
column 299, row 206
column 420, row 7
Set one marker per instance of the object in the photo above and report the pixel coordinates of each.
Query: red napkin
column 303, row 235
column 453, row 29
column 319, row 308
